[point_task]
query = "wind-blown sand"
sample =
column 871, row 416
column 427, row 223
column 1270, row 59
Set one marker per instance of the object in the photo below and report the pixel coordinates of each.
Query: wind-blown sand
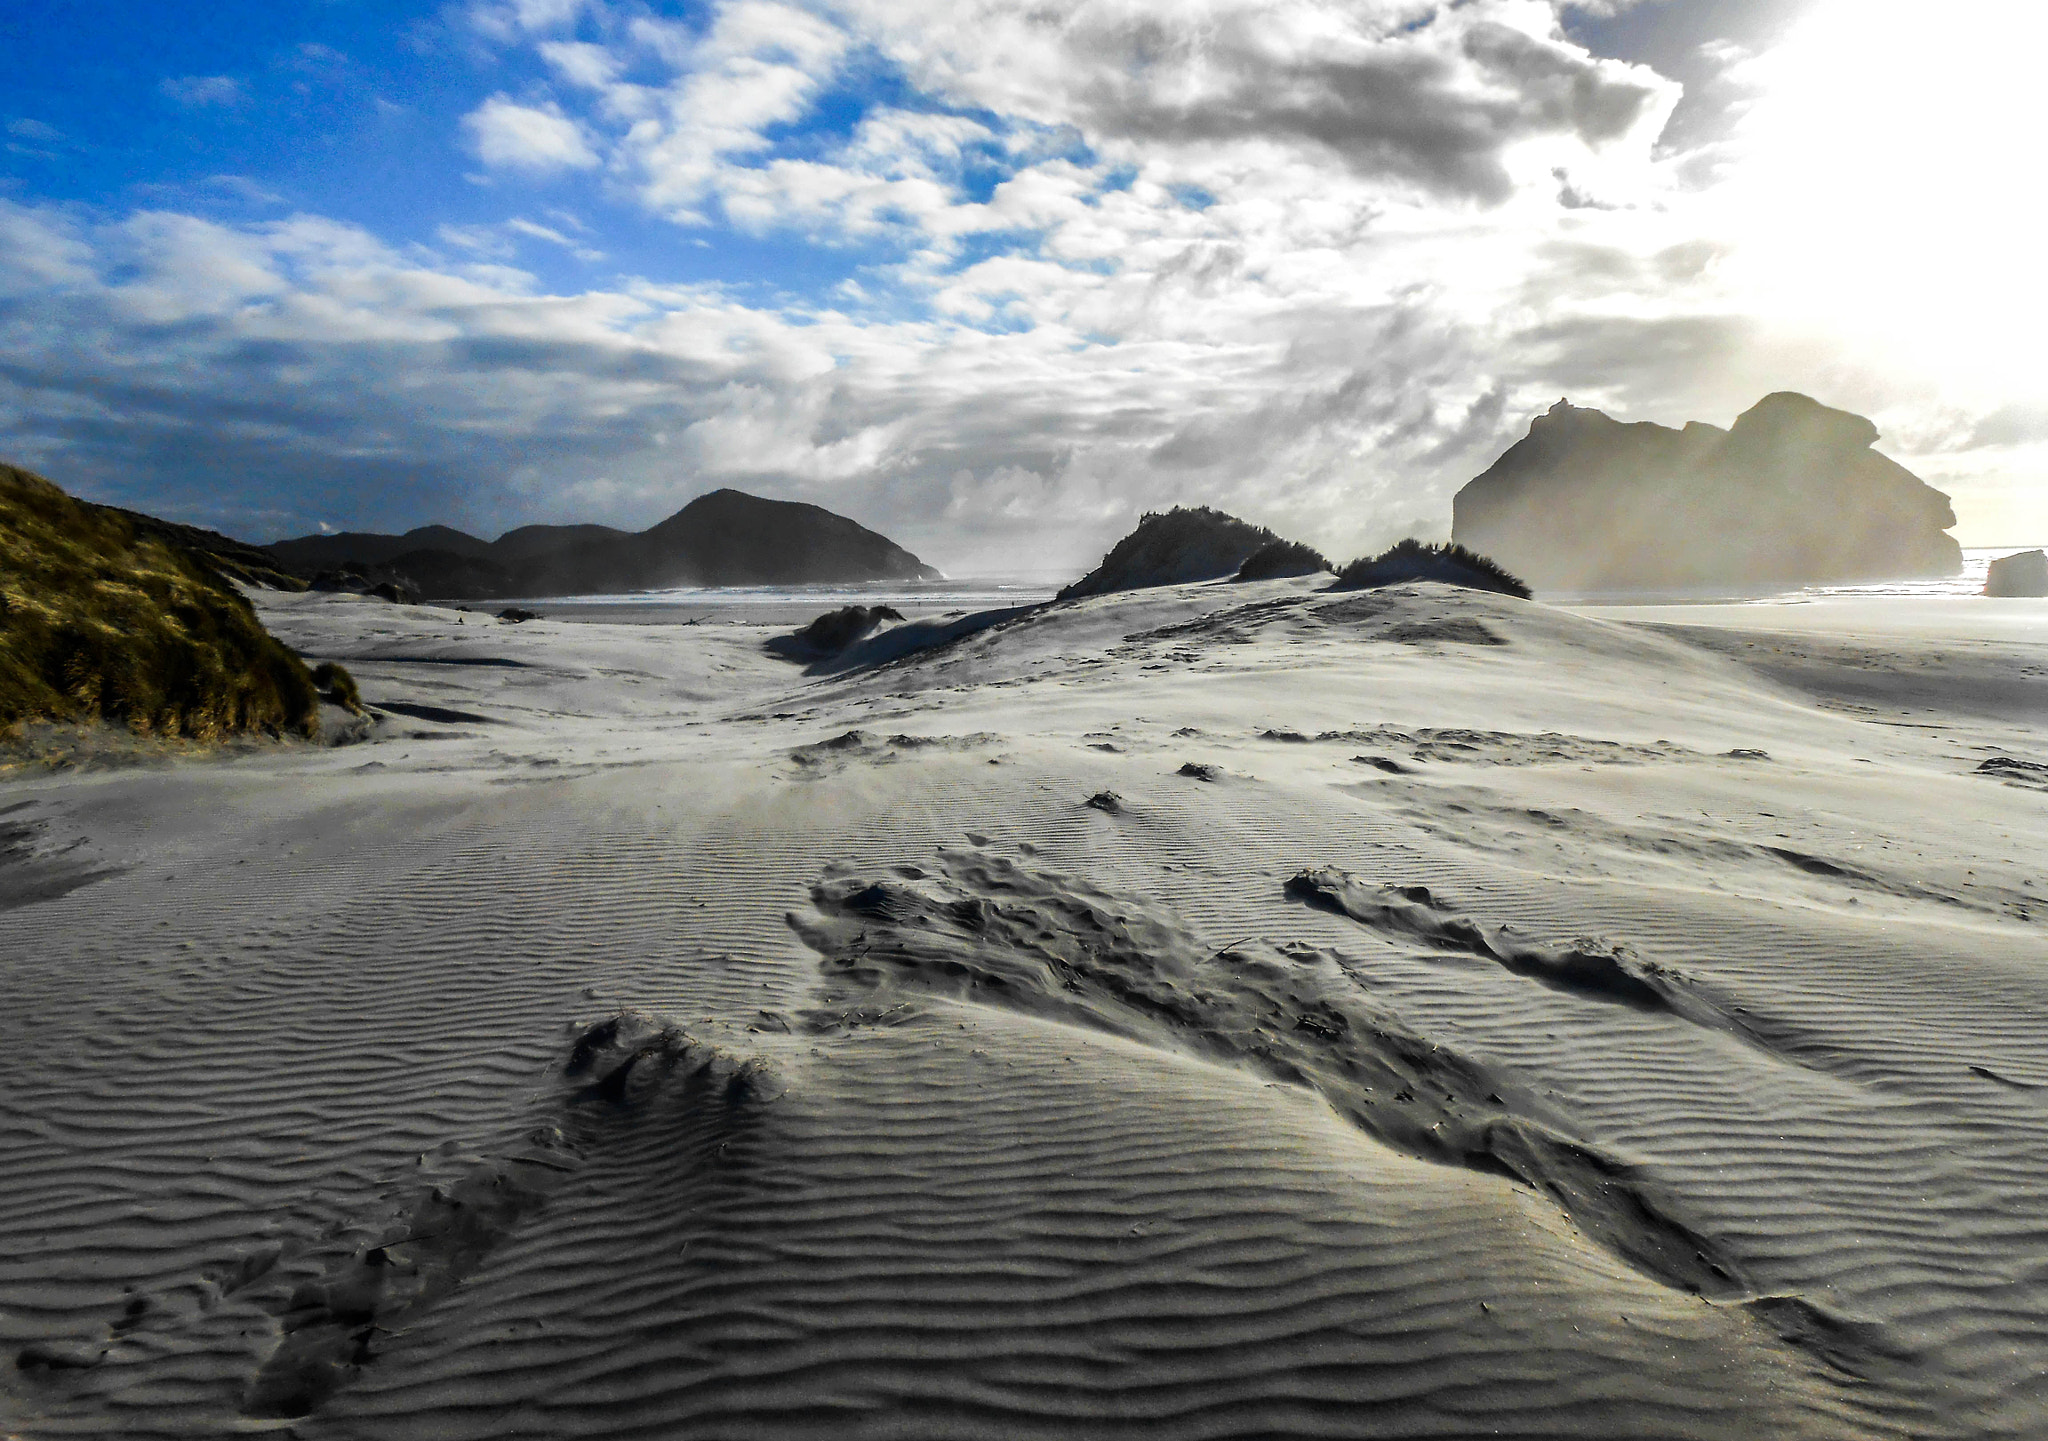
column 1226, row 1010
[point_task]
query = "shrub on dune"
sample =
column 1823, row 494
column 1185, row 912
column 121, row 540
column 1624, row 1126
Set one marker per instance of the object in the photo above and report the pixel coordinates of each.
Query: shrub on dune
column 1174, row 547
column 335, row 684
column 1283, row 558
column 1444, row 561
column 99, row 622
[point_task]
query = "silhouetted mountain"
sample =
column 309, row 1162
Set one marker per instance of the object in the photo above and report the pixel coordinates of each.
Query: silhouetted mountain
column 331, row 552
column 729, row 538
column 724, row 538
column 1791, row 494
column 1173, row 547
column 531, row 540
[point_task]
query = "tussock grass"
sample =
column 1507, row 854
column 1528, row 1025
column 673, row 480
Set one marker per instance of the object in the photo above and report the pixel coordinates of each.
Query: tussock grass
column 1445, row 561
column 100, row 622
column 334, row 683
column 1283, row 558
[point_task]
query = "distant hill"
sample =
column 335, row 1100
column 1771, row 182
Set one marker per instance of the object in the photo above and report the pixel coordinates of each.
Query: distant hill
column 1792, row 494
column 721, row 539
column 365, row 548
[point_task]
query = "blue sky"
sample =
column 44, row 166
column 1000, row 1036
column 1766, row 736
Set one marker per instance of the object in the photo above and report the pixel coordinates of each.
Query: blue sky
column 241, row 112
column 989, row 276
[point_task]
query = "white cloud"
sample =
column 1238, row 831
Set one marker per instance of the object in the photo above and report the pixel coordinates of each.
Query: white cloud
column 242, row 188
column 533, row 230
column 580, row 63
column 509, row 21
column 537, row 140
column 1315, row 261
column 201, row 92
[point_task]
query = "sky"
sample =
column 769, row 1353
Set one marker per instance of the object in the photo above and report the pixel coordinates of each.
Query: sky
column 997, row 276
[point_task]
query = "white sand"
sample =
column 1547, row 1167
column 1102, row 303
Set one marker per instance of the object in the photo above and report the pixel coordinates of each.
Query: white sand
column 951, row 1106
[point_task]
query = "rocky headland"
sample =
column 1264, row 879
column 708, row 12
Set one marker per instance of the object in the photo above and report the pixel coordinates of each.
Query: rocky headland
column 724, row 538
column 1791, row 494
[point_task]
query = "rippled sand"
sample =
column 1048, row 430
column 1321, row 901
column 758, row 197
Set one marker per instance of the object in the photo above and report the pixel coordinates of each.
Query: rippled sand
column 1215, row 1011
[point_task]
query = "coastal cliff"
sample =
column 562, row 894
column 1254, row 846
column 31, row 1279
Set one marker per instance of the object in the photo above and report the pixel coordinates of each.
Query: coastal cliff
column 1791, row 494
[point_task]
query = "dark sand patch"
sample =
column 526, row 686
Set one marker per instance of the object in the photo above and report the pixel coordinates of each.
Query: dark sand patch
column 31, row 871
column 1498, row 748
column 858, row 745
column 441, row 715
column 1595, row 969
column 981, row 928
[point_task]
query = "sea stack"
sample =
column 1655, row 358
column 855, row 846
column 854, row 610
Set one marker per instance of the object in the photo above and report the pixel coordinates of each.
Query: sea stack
column 2024, row 574
column 1791, row 494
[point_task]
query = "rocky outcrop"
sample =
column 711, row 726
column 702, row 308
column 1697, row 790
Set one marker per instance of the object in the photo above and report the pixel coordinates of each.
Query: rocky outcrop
column 1172, row 548
column 2025, row 574
column 834, row 631
column 724, row 538
column 1791, row 494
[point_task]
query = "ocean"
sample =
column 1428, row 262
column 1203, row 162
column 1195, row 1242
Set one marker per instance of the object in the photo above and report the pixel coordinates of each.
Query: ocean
column 793, row 605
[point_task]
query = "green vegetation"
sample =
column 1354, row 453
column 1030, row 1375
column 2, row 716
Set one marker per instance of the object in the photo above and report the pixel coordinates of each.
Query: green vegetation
column 1283, row 558
column 1445, row 561
column 334, row 683
column 99, row 622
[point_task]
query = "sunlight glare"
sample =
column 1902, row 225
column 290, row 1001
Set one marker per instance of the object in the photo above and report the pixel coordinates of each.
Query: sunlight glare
column 1890, row 183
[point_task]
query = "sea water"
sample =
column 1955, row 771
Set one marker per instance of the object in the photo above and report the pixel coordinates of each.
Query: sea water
column 785, row 605
column 791, row 605
column 1970, row 581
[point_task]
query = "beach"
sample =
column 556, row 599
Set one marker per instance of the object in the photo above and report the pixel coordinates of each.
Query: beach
column 1215, row 1010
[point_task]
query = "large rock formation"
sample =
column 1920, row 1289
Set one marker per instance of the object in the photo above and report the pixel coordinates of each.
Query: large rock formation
column 1174, row 547
column 105, row 619
column 1791, row 494
column 2025, row 574
column 724, row 538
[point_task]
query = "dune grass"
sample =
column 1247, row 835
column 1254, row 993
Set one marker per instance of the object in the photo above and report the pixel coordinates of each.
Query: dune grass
column 1283, row 558
column 333, row 681
column 99, row 622
column 1445, row 561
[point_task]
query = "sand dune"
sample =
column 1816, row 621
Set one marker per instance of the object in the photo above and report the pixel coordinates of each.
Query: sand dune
column 1223, row 1010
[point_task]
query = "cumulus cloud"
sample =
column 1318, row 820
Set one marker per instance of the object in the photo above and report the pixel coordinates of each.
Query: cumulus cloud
column 536, row 139
column 146, row 359
column 1315, row 262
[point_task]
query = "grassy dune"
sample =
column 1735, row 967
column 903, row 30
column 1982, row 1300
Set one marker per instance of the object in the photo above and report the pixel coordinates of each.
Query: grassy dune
column 101, row 622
